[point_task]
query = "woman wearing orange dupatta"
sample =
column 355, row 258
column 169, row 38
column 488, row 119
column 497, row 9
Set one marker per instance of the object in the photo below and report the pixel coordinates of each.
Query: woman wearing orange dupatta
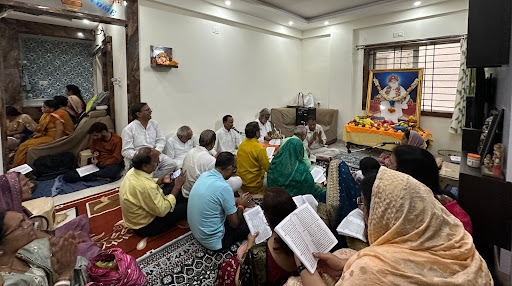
column 54, row 124
column 413, row 239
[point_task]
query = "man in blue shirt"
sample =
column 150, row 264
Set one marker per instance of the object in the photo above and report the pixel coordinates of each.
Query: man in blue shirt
column 215, row 216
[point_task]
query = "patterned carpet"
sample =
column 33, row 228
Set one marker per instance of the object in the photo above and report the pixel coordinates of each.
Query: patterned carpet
column 352, row 159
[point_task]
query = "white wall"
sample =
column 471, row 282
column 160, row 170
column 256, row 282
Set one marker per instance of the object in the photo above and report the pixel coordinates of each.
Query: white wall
column 346, row 62
column 238, row 71
column 316, row 68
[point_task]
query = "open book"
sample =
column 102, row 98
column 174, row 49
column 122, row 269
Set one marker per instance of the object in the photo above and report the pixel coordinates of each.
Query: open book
column 256, row 221
column 87, row 169
column 306, row 199
column 270, row 152
column 318, row 175
column 353, row 225
column 305, row 232
column 21, row 169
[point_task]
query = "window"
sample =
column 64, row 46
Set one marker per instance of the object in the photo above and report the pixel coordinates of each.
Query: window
column 440, row 61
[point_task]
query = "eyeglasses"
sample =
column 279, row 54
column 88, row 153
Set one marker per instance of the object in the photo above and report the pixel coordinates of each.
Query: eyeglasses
column 359, row 201
column 24, row 224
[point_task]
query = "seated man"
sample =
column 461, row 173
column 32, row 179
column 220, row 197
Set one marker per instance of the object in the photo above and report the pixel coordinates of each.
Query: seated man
column 315, row 141
column 228, row 138
column 145, row 207
column 214, row 215
column 252, row 161
column 300, row 132
column 198, row 160
column 178, row 145
column 265, row 125
column 106, row 149
column 145, row 132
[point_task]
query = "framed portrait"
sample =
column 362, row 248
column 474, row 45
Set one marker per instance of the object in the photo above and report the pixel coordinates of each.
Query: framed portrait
column 394, row 94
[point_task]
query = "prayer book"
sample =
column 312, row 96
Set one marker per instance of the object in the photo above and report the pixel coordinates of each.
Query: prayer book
column 318, row 175
column 275, row 142
column 270, row 152
column 353, row 225
column 305, row 232
column 306, row 199
column 21, row 169
column 87, row 169
column 256, row 222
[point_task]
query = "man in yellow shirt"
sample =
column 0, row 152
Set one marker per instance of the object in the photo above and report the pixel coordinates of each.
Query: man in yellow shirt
column 252, row 161
column 145, row 207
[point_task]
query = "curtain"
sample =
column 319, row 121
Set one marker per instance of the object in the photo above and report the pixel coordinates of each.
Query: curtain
column 465, row 88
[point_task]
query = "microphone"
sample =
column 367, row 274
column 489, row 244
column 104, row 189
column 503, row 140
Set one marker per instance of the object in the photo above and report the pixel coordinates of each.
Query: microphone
column 389, row 143
column 241, row 133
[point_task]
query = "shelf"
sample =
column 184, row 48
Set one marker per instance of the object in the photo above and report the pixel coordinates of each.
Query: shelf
column 164, row 66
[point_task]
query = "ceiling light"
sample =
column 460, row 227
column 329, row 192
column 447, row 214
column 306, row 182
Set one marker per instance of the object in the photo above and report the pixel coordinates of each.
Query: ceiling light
column 80, row 34
column 326, row 23
column 290, row 23
column 417, row 3
column 86, row 21
column 125, row 3
column 228, row 3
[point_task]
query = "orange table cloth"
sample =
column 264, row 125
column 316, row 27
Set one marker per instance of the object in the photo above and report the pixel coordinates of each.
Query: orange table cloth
column 372, row 137
column 266, row 144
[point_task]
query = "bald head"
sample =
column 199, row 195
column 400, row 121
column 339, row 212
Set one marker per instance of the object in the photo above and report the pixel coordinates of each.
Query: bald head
column 207, row 138
column 144, row 158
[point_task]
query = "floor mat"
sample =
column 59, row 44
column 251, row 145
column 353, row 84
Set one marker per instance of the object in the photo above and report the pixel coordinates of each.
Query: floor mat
column 183, row 261
column 352, row 159
column 106, row 229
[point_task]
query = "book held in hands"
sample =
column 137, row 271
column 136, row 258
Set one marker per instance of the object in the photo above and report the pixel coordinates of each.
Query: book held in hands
column 256, row 222
column 353, row 225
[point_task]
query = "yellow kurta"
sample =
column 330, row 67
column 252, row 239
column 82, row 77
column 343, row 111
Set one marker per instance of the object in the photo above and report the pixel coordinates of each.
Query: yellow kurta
column 142, row 200
column 252, row 163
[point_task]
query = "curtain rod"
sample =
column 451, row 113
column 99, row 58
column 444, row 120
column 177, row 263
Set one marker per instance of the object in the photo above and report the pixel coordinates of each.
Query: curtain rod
column 412, row 42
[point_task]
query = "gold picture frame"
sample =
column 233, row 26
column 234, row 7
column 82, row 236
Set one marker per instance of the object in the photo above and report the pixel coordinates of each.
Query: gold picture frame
column 405, row 85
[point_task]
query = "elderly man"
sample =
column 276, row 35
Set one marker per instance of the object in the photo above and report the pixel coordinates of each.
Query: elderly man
column 299, row 133
column 265, row 125
column 228, row 138
column 215, row 216
column 252, row 161
column 145, row 132
column 145, row 207
column 198, row 160
column 315, row 141
column 178, row 145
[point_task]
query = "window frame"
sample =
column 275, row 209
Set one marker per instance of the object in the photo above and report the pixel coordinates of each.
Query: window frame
column 415, row 44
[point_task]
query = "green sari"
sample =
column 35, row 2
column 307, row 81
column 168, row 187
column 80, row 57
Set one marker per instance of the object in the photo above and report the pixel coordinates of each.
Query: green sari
column 288, row 171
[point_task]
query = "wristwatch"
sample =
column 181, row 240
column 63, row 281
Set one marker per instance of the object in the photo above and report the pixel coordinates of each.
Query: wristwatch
column 301, row 268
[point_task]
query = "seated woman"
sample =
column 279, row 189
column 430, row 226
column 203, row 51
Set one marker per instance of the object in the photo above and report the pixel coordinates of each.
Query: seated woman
column 270, row 262
column 26, row 260
column 288, row 171
column 19, row 126
column 421, row 165
column 75, row 102
column 54, row 124
column 413, row 138
column 16, row 188
column 413, row 240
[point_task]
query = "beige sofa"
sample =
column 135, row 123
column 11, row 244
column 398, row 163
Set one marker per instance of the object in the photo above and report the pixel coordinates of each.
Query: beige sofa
column 74, row 143
column 284, row 119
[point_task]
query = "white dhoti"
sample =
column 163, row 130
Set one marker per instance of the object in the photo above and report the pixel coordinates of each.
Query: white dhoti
column 325, row 152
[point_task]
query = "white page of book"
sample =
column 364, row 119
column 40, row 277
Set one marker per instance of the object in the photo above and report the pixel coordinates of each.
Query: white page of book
column 353, row 225
column 306, row 199
column 256, row 222
column 87, row 169
column 270, row 151
column 21, row 169
column 275, row 142
column 305, row 232
column 318, row 175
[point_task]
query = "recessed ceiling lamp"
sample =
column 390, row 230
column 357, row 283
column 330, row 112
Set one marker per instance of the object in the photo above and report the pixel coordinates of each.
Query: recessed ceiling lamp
column 290, row 23
column 326, row 23
column 417, row 3
column 80, row 34
column 228, row 3
column 86, row 21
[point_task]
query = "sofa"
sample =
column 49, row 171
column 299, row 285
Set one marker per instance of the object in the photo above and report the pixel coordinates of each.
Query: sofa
column 74, row 143
column 284, row 120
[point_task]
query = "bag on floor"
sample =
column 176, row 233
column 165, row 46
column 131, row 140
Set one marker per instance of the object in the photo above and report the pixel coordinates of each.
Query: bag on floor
column 114, row 268
column 51, row 166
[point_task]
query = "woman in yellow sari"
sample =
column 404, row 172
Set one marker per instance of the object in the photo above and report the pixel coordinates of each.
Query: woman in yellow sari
column 413, row 239
column 54, row 124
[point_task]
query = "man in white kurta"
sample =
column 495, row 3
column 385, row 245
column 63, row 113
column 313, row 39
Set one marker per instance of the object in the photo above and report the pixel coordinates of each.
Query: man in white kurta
column 228, row 139
column 178, row 145
column 265, row 125
column 199, row 160
column 145, row 132
column 316, row 139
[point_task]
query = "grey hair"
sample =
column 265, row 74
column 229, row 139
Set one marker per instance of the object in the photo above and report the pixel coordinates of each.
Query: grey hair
column 264, row 112
column 183, row 131
column 300, row 131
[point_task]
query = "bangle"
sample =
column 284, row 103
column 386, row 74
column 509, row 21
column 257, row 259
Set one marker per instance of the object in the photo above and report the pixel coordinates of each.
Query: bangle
column 62, row 283
column 301, row 268
column 241, row 207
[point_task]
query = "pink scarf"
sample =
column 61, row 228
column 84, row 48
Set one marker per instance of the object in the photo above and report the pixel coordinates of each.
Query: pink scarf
column 415, row 139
